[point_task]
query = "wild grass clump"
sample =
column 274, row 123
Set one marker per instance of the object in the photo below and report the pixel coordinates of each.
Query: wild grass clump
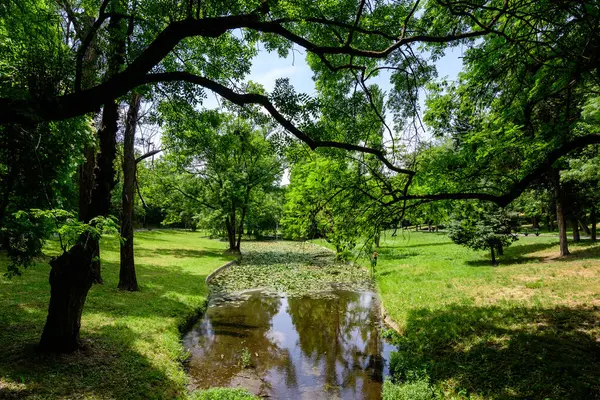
column 223, row 394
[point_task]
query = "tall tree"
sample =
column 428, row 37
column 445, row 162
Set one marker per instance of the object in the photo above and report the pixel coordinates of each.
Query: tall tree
column 227, row 161
column 127, row 276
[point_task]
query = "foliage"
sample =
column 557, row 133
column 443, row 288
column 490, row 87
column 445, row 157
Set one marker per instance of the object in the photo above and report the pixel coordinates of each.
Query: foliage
column 27, row 232
column 226, row 166
column 321, row 202
column 222, row 394
column 482, row 228
column 293, row 268
column 245, row 358
column 418, row 390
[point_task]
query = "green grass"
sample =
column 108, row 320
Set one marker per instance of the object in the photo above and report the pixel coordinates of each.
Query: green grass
column 132, row 340
column 529, row 328
column 292, row 267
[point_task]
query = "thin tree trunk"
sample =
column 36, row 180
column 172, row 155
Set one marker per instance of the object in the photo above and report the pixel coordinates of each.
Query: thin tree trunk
column 241, row 230
column 104, row 176
column 86, row 181
column 536, row 223
column 575, row 226
column 230, row 227
column 500, row 249
column 584, row 227
column 127, row 276
column 493, row 255
column 560, row 213
column 593, row 222
column 7, row 190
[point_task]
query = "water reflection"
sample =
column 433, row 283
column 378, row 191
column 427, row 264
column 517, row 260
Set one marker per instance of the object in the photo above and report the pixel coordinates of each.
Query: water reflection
column 326, row 346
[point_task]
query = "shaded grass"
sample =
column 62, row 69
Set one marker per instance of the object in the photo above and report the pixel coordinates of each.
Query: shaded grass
column 132, row 340
column 527, row 329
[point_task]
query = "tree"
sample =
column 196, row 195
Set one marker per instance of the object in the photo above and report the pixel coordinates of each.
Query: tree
column 127, row 276
column 187, row 47
column 226, row 161
column 482, row 228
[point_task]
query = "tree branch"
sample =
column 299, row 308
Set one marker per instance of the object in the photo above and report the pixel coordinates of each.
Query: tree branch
column 519, row 186
column 90, row 100
column 148, row 154
column 253, row 98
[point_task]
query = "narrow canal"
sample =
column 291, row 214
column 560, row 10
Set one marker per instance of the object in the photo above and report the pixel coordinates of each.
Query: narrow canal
column 320, row 346
column 312, row 331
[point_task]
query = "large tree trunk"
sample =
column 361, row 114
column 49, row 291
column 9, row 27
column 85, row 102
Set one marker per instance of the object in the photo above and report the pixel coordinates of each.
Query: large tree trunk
column 73, row 273
column 70, row 280
column 575, row 225
column 127, row 276
column 560, row 212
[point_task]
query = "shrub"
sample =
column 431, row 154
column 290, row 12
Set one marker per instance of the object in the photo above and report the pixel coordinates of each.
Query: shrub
column 416, row 390
column 223, row 394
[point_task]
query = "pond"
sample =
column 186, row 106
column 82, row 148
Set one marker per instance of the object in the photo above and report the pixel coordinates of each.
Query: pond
column 319, row 346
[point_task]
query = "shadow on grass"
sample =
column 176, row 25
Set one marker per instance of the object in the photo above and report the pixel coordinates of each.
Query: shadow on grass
column 180, row 253
column 409, row 245
column 127, row 353
column 504, row 353
column 517, row 254
column 107, row 367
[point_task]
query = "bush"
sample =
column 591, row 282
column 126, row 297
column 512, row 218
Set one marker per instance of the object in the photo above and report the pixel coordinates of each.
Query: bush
column 223, row 394
column 416, row 390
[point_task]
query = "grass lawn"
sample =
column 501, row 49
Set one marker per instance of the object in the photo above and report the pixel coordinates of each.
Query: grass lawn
column 133, row 348
column 529, row 328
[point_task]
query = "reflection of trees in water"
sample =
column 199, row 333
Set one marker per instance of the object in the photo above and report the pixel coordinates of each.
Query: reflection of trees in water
column 227, row 331
column 338, row 337
column 341, row 333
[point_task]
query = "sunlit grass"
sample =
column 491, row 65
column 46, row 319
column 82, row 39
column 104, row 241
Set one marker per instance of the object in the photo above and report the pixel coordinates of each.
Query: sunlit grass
column 133, row 348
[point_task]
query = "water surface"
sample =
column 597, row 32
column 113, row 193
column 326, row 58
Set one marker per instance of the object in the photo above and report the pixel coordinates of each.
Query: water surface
column 325, row 346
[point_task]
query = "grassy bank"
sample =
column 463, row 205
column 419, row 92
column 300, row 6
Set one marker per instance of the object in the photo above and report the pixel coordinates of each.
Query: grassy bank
column 529, row 328
column 132, row 340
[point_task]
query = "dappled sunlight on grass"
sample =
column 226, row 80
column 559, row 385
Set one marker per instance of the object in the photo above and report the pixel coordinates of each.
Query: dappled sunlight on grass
column 528, row 328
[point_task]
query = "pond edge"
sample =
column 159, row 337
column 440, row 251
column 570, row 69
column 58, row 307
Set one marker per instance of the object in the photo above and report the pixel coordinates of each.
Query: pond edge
column 212, row 275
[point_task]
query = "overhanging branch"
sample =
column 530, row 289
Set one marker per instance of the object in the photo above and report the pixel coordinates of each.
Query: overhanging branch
column 254, row 98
